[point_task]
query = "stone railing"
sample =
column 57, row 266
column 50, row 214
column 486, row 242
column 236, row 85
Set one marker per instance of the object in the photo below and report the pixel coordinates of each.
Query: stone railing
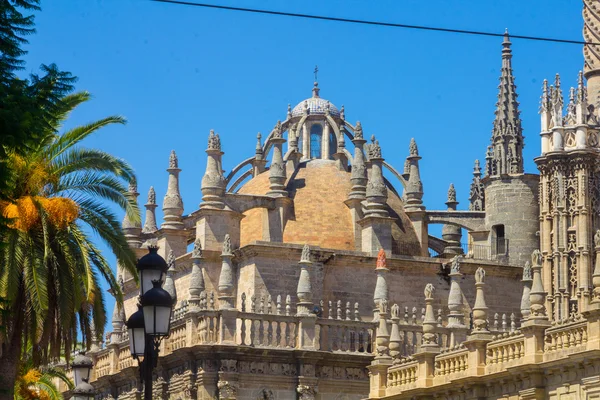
column 346, row 335
column 505, row 351
column 565, row 338
column 102, row 364
column 267, row 330
column 402, row 376
column 125, row 358
column 451, row 364
column 178, row 337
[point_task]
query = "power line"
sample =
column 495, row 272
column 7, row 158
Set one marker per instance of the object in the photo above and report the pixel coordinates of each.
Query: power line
column 376, row 23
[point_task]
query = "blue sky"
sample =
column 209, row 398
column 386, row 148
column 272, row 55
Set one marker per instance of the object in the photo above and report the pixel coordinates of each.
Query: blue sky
column 175, row 72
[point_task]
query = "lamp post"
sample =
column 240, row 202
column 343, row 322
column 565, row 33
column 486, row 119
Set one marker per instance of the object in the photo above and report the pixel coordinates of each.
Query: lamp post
column 82, row 366
column 152, row 321
column 84, row 391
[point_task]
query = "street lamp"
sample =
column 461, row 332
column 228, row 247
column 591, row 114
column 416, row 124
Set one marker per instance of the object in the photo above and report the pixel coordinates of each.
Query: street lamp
column 152, row 321
column 84, row 391
column 137, row 334
column 82, row 366
column 151, row 267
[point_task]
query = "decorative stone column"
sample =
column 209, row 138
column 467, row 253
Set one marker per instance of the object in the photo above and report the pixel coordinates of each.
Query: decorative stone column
column 525, row 301
column 132, row 228
column 456, row 317
column 395, row 340
column 381, row 286
column 376, row 224
column 451, row 233
column 259, row 162
column 383, row 337
column 227, row 330
column 429, row 340
column 341, row 160
column 213, row 181
column 294, row 154
column 358, row 178
column 480, row 309
column 306, row 331
column 226, row 277
column 172, row 203
column 169, row 285
column 537, row 322
column 359, row 170
column 215, row 218
column 150, row 223
column 413, row 206
column 277, row 174
column 197, row 285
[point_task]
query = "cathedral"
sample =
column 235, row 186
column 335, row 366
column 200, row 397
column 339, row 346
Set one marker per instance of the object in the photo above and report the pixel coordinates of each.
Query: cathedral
column 309, row 271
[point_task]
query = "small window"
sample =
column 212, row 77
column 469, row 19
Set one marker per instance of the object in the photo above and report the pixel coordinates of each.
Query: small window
column 332, row 144
column 316, row 133
column 300, row 149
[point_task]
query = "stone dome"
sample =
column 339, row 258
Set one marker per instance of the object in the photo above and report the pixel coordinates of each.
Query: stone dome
column 316, row 105
column 321, row 218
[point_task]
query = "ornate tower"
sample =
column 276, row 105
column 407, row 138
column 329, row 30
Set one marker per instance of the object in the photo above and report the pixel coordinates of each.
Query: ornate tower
column 569, row 190
column 511, row 205
column 591, row 33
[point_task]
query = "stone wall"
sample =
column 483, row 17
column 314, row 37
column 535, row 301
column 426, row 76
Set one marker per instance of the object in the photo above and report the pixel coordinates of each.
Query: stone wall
column 512, row 201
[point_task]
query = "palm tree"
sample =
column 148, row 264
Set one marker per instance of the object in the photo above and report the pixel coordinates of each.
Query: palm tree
column 39, row 383
column 49, row 268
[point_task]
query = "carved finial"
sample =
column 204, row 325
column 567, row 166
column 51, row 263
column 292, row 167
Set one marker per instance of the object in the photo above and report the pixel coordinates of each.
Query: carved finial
column 173, row 162
column 412, row 148
column 381, row 260
column 171, row 260
column 597, row 238
column 383, row 306
column 455, row 264
column 197, row 251
column 545, row 97
column 132, row 186
column 305, row 257
column 395, row 311
column 277, row 131
column 479, row 275
column 536, row 258
column 581, row 89
column 289, row 111
column 527, row 271
column 374, row 148
column 258, row 144
column 451, row 194
column 227, row 245
column 214, row 142
column 342, row 113
column 429, row 289
column 358, row 130
column 151, row 195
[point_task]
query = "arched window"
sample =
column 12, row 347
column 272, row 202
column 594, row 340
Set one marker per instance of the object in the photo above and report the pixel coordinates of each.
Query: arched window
column 332, row 144
column 316, row 132
column 300, row 149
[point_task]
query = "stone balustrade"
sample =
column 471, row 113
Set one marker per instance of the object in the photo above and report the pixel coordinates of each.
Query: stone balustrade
column 402, row 376
column 505, row 351
column 346, row 336
column 267, row 330
column 451, row 364
column 565, row 337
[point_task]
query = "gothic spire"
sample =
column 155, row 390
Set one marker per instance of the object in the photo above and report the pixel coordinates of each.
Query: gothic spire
column 507, row 133
column 150, row 223
column 172, row 203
